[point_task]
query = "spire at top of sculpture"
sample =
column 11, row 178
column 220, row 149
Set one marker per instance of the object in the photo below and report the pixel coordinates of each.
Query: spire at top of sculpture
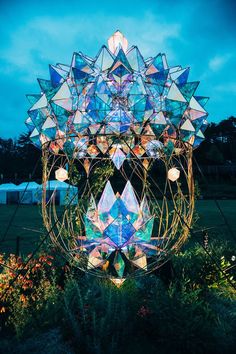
column 115, row 104
column 117, row 41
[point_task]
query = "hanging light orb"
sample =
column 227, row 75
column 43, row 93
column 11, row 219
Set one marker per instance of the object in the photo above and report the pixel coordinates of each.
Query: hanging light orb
column 173, row 174
column 61, row 174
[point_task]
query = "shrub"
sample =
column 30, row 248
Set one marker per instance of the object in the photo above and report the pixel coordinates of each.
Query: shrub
column 194, row 312
column 34, row 285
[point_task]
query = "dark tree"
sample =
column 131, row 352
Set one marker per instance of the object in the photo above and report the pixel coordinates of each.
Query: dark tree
column 219, row 146
column 18, row 159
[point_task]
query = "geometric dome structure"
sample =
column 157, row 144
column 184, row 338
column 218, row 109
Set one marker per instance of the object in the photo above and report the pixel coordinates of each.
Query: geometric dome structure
column 131, row 113
column 117, row 97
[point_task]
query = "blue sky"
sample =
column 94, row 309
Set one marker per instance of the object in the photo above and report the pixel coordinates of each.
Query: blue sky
column 33, row 34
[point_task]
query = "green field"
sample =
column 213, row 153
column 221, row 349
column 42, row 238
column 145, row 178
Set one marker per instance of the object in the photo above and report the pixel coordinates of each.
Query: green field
column 28, row 227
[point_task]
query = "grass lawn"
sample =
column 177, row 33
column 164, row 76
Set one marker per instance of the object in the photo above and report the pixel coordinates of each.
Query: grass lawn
column 27, row 223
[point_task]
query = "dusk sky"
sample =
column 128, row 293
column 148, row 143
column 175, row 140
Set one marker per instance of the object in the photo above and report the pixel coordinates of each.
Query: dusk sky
column 200, row 34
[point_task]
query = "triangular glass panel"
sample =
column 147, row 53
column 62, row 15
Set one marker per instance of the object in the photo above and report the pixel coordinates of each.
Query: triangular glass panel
column 107, row 199
column 119, row 264
column 195, row 105
column 41, row 103
column 135, row 59
column 104, row 59
column 129, row 198
column 117, row 156
column 188, row 89
column 175, row 94
column 57, row 75
column 180, row 76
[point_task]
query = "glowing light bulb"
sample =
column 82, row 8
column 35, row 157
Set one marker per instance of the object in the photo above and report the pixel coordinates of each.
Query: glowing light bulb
column 118, row 281
column 61, row 174
column 173, row 174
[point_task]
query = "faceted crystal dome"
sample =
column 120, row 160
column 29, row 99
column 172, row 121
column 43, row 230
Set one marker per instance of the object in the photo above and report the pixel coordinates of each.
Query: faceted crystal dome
column 119, row 228
column 91, row 106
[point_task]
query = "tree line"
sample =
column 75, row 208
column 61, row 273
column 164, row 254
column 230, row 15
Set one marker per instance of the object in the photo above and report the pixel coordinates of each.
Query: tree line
column 219, row 147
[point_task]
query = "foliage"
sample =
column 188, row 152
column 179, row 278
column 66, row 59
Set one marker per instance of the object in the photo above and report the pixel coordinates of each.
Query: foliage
column 101, row 176
column 220, row 142
column 214, row 155
column 74, row 175
column 193, row 312
column 23, row 156
column 197, row 190
column 50, row 342
column 201, row 269
column 99, row 316
column 24, row 289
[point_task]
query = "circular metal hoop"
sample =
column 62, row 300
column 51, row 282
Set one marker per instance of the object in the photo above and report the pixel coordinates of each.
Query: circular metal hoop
column 171, row 206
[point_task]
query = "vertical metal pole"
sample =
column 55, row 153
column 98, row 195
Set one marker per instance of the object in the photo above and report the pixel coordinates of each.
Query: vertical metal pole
column 17, row 246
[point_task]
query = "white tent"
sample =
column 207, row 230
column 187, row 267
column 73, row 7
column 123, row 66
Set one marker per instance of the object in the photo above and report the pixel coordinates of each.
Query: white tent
column 31, row 193
column 8, row 193
column 64, row 193
column 28, row 193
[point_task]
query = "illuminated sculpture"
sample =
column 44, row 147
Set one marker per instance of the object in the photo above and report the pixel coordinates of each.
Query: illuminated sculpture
column 134, row 112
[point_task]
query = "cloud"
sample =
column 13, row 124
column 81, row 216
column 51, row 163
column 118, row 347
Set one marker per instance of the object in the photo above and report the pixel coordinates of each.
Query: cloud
column 218, row 62
column 47, row 39
column 229, row 88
